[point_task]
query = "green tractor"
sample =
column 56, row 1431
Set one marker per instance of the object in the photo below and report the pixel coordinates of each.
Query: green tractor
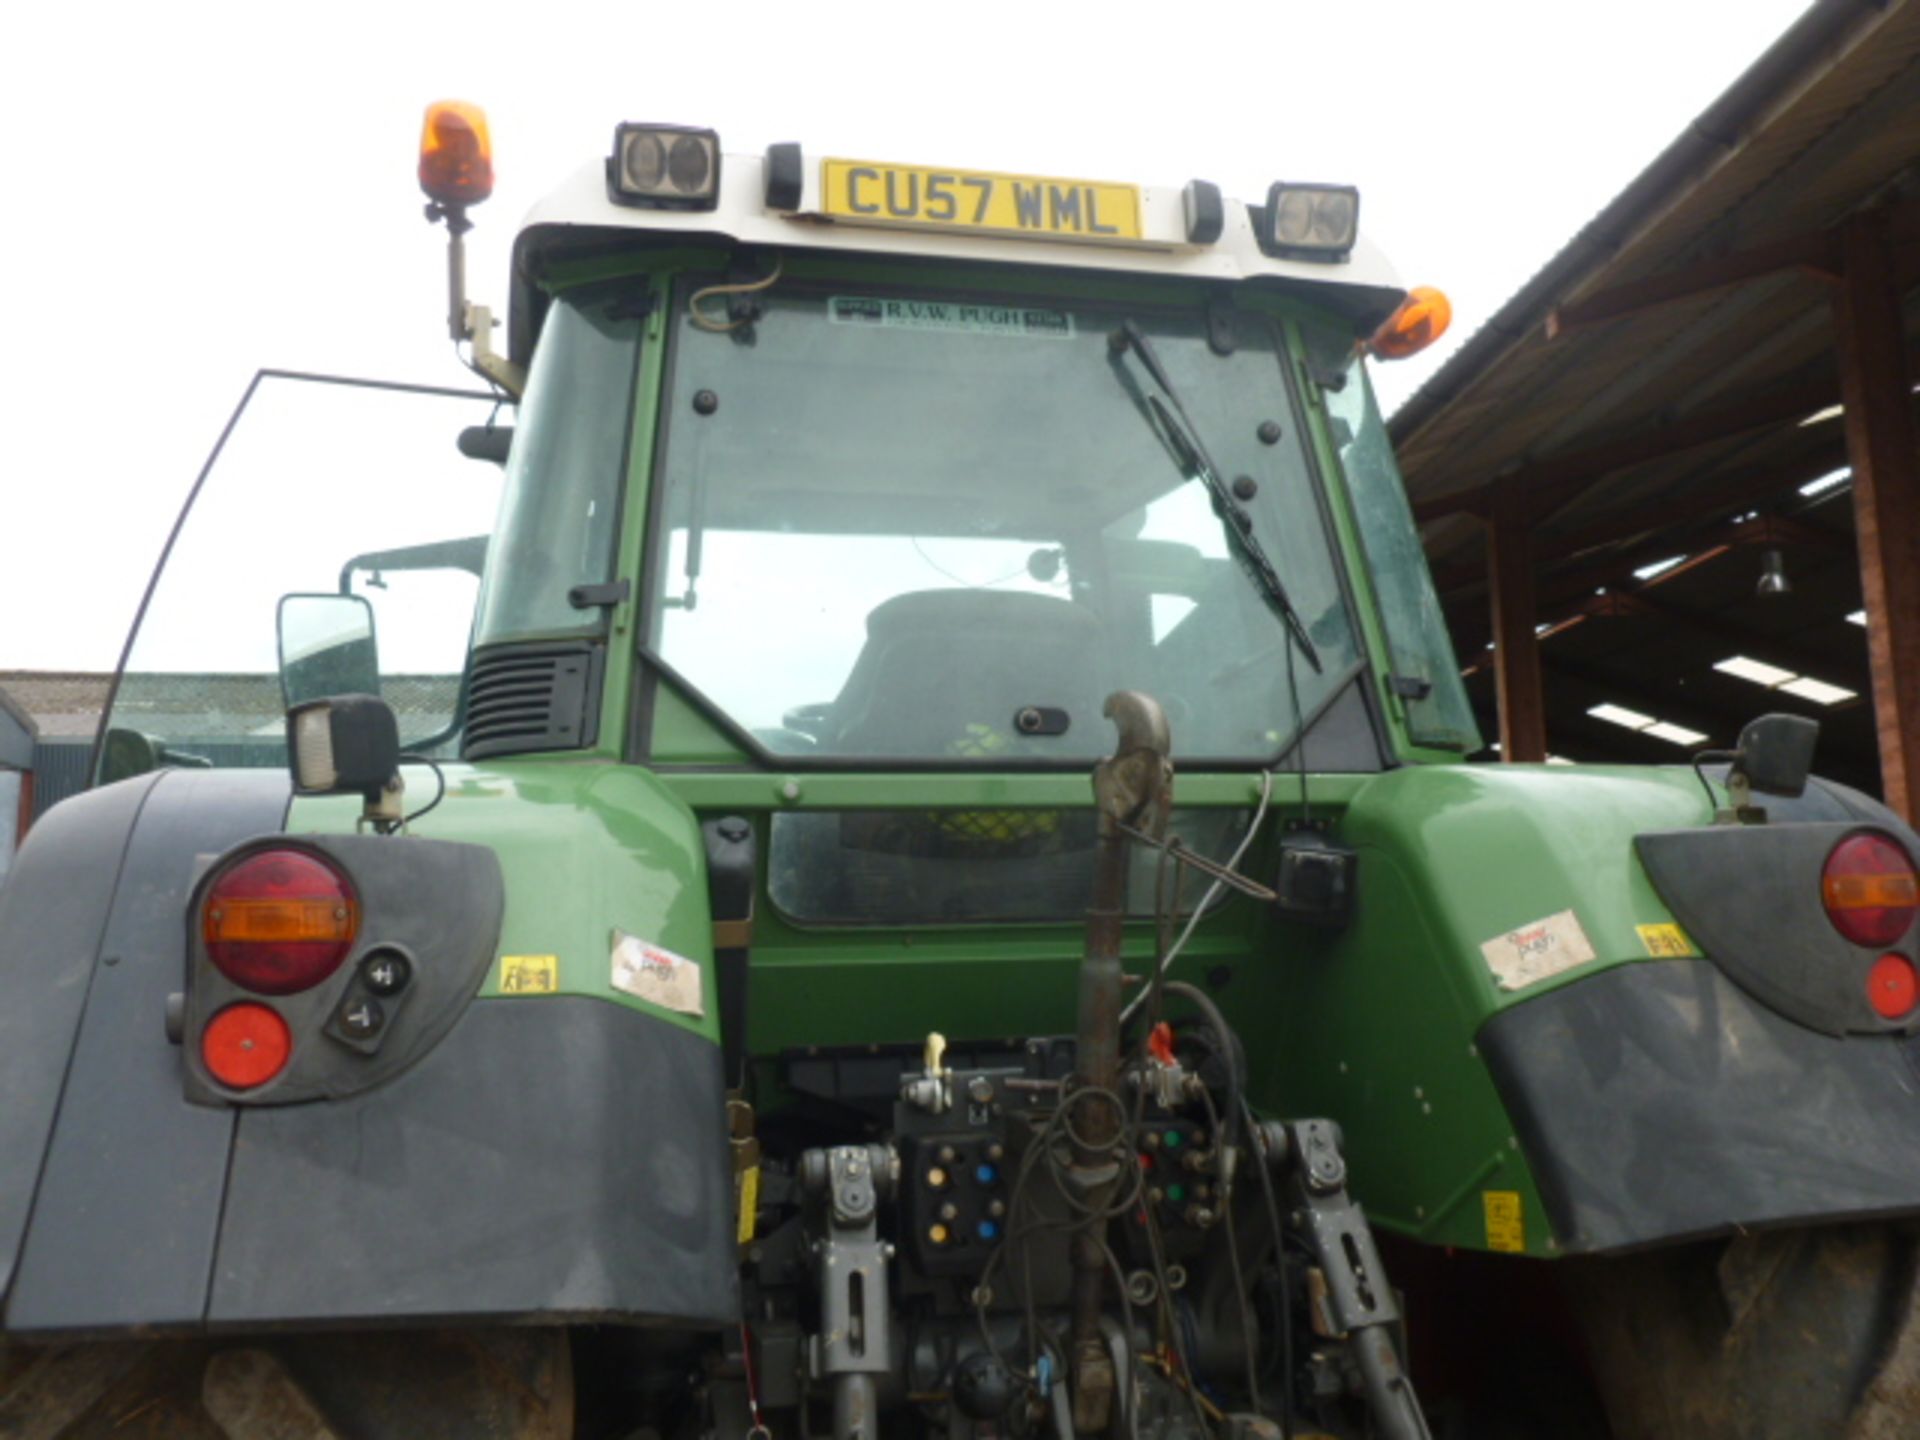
column 870, row 837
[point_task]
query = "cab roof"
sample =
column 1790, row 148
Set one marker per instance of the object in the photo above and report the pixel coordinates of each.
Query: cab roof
column 579, row 218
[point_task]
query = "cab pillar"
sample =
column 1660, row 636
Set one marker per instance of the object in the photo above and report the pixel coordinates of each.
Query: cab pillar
column 1516, row 646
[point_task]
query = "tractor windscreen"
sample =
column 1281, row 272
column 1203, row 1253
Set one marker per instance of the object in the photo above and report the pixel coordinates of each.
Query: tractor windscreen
column 930, row 528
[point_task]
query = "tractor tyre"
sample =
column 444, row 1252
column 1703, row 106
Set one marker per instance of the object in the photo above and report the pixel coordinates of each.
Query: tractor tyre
column 493, row 1384
column 1776, row 1336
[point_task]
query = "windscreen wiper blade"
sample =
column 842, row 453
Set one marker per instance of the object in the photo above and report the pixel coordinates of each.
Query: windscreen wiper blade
column 1175, row 427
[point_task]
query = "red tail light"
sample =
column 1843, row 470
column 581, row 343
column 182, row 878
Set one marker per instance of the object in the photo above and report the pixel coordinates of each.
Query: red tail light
column 1870, row 889
column 245, row 1045
column 1893, row 986
column 280, row 921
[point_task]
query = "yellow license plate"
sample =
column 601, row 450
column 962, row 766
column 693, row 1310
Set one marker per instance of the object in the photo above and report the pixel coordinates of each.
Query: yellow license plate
column 1037, row 206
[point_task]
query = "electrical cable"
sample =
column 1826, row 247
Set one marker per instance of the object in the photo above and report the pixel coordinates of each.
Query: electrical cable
column 703, row 321
column 1280, row 1264
column 1171, row 1321
column 439, row 795
column 1700, row 759
column 1247, row 1328
column 1299, row 738
column 1206, row 900
column 1229, row 1048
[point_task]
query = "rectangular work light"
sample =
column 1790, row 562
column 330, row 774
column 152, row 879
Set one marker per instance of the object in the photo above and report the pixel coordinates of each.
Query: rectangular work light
column 1311, row 222
column 669, row 167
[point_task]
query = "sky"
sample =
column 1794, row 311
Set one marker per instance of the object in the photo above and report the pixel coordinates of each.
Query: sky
column 196, row 191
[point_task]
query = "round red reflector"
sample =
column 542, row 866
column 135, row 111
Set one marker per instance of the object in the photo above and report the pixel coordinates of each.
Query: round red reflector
column 245, row 1045
column 280, row 921
column 1893, row 987
column 1870, row 889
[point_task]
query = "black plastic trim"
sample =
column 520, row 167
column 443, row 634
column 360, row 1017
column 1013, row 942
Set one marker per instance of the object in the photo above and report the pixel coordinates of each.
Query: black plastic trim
column 1657, row 1101
column 1750, row 897
column 526, row 696
column 1205, row 212
column 129, row 1202
column 555, row 1158
column 438, row 903
column 786, row 177
column 53, row 915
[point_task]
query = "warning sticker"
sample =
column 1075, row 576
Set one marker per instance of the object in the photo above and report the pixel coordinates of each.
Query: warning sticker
column 529, row 974
column 656, row 975
column 1662, row 940
column 746, row 1202
column 1537, row 951
column 1022, row 321
column 1506, row 1226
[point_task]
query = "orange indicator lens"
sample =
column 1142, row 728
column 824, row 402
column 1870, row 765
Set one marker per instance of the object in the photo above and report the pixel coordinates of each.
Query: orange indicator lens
column 456, row 154
column 1423, row 317
column 245, row 1045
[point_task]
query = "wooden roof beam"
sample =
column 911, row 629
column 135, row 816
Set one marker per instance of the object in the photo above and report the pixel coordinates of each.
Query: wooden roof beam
column 1817, row 254
column 1551, row 484
column 1885, row 447
column 1557, row 482
column 1831, row 665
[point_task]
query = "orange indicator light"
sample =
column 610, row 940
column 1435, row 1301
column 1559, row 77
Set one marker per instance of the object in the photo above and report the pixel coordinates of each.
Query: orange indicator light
column 1423, row 317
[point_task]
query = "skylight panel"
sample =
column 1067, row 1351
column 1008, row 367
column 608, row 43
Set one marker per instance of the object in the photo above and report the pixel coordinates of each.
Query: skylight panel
column 1620, row 715
column 1757, row 671
column 1833, row 479
column 1658, row 567
column 1817, row 691
column 1678, row 734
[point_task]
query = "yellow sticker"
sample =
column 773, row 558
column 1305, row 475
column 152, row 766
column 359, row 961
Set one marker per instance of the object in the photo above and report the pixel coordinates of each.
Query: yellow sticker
column 746, row 1187
column 1506, row 1227
column 1663, row 940
column 529, row 974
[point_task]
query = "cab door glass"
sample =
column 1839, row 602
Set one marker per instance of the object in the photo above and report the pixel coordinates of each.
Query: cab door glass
column 1426, row 674
column 321, row 487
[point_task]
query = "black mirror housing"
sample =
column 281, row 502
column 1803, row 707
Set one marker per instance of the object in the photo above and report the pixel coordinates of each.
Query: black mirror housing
column 1776, row 754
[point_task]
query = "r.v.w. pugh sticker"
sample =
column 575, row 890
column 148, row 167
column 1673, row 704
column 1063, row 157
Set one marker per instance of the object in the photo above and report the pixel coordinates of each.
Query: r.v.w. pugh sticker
column 652, row 973
column 1537, row 951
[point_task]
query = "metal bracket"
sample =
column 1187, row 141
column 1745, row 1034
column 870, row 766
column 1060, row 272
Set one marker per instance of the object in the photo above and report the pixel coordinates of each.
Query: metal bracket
column 478, row 322
column 1360, row 1300
column 855, row 1342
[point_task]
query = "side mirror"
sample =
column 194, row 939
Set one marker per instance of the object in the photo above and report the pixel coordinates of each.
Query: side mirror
column 126, row 753
column 1775, row 754
column 326, row 648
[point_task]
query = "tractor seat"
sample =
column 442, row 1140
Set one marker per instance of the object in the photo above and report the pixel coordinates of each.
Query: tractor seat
column 944, row 672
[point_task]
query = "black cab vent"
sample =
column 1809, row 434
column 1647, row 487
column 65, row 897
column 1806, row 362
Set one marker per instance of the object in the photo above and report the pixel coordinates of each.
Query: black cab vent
column 536, row 696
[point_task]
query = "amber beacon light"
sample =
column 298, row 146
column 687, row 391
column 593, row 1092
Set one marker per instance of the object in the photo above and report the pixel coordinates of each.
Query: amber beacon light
column 1423, row 317
column 456, row 155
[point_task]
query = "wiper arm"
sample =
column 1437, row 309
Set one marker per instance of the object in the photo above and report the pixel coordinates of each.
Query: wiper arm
column 1171, row 422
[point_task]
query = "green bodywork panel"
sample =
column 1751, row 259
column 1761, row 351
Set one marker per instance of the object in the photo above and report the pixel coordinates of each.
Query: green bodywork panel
column 587, row 847
column 1374, row 1025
